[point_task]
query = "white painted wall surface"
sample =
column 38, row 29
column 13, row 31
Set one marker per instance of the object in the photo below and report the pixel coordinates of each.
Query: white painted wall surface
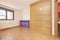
column 11, row 23
column 26, row 12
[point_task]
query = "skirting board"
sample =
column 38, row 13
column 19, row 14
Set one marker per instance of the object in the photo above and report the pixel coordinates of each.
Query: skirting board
column 8, row 27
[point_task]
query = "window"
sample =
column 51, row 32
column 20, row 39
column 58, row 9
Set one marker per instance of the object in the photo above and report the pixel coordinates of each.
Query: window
column 6, row 14
column 2, row 14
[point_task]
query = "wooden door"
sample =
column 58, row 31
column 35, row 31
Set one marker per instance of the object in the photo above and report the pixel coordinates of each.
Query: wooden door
column 41, row 18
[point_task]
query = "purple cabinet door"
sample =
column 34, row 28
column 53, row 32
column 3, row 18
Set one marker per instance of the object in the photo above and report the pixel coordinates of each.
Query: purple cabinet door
column 25, row 23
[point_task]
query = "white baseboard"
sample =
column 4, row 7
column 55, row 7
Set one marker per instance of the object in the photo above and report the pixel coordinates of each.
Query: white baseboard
column 7, row 27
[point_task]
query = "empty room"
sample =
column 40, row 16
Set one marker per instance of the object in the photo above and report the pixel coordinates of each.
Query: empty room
column 26, row 20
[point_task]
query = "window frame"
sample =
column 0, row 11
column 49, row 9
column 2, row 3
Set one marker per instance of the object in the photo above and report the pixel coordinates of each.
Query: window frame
column 6, row 13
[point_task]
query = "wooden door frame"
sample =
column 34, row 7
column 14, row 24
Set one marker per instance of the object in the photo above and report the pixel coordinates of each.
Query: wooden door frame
column 56, row 21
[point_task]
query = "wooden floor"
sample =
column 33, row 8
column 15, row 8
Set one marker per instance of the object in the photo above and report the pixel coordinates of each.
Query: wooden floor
column 21, row 33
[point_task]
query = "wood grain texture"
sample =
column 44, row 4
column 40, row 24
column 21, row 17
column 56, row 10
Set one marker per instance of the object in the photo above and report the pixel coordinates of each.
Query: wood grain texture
column 56, row 20
column 21, row 33
column 41, row 18
column 40, row 25
column 56, row 0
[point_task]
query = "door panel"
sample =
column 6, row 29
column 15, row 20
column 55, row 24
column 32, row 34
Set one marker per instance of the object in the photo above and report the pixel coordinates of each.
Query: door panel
column 41, row 17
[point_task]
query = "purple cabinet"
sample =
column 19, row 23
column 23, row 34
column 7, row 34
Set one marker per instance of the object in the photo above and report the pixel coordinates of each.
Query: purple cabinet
column 25, row 23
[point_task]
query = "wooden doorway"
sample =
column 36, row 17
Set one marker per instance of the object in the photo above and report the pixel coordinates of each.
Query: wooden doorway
column 41, row 19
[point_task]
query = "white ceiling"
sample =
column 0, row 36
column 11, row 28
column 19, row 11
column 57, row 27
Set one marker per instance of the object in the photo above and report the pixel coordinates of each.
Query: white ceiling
column 17, row 4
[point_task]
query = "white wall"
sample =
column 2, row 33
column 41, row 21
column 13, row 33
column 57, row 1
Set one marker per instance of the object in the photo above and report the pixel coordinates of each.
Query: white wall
column 12, row 23
column 23, row 14
column 26, row 12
